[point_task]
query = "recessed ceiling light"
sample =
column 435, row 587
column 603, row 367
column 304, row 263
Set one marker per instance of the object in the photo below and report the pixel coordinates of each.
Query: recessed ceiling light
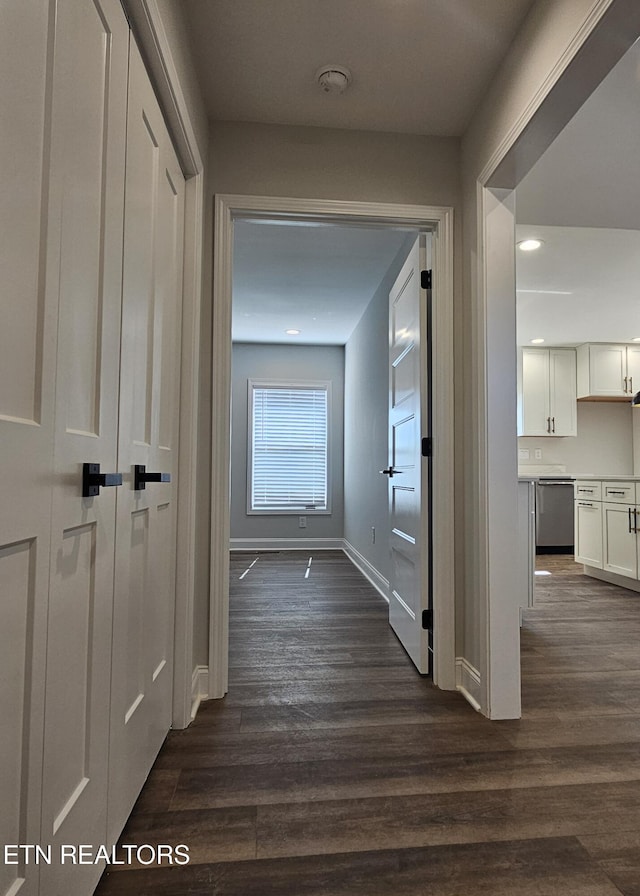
column 292, row 332
column 529, row 245
column 636, row 338
column 537, row 341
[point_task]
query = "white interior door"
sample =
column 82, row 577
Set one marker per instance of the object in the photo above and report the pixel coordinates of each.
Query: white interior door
column 85, row 272
column 408, row 471
column 27, row 381
column 145, row 543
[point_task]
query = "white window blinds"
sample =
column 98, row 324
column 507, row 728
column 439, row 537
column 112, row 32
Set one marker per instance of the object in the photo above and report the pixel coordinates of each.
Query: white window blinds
column 288, row 467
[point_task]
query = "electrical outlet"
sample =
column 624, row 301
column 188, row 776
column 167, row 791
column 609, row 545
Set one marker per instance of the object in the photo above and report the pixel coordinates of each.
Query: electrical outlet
column 302, row 522
column 538, row 454
column 523, row 454
column 373, row 535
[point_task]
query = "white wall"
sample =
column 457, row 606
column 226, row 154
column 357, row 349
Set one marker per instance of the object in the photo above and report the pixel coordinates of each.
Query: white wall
column 296, row 363
column 322, row 163
column 366, row 431
column 604, row 444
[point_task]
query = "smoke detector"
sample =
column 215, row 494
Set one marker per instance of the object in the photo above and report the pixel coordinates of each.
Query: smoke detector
column 333, row 78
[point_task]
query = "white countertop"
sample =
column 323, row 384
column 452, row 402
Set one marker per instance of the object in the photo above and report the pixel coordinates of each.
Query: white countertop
column 615, row 477
column 597, row 477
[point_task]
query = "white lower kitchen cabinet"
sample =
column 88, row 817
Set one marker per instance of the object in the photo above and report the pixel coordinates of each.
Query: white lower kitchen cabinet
column 619, row 539
column 588, row 532
column 607, row 529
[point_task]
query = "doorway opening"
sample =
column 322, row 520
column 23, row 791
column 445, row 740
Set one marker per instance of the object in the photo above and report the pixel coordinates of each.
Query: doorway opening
column 246, row 213
column 503, row 210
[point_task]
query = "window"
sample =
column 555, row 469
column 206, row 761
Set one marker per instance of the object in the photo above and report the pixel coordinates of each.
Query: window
column 288, row 447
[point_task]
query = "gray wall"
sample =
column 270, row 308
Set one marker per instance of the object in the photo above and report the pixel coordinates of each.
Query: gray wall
column 286, row 362
column 366, row 403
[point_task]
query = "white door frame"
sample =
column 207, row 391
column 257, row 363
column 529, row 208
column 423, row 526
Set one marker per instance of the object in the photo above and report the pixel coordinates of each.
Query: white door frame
column 149, row 30
column 440, row 222
column 585, row 62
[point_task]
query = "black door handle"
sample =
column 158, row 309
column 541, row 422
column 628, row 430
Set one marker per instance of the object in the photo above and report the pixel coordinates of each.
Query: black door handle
column 391, row 472
column 141, row 477
column 93, row 480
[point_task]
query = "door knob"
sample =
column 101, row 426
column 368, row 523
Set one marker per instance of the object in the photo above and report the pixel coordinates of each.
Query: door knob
column 93, row 480
column 391, row 472
column 141, row 477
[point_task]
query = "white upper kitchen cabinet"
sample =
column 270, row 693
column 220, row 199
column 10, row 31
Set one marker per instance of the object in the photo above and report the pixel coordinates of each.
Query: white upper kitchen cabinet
column 608, row 371
column 633, row 368
column 547, row 392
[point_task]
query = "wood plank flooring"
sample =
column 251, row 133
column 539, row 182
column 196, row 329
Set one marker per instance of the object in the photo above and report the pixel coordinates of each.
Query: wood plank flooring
column 333, row 769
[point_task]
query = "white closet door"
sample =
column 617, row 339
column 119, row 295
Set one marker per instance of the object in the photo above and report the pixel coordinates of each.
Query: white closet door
column 85, row 272
column 145, row 542
column 27, row 377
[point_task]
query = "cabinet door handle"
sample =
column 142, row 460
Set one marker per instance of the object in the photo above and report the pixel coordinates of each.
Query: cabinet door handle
column 625, row 384
column 590, row 490
column 553, row 424
column 548, row 424
column 631, row 529
column 635, row 520
column 611, row 491
column 584, row 504
column 630, row 384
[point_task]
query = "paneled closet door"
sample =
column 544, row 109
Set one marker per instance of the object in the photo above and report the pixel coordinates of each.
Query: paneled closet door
column 27, row 378
column 149, row 392
column 85, row 272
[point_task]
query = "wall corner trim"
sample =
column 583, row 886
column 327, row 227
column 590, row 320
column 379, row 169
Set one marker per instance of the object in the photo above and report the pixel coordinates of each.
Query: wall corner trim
column 199, row 688
column 148, row 27
column 367, row 569
column 468, row 682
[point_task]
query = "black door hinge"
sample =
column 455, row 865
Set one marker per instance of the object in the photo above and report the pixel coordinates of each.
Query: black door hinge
column 425, row 279
column 427, row 447
column 427, row 619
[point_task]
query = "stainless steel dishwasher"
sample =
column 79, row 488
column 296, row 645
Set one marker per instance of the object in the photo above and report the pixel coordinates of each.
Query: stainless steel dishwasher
column 554, row 515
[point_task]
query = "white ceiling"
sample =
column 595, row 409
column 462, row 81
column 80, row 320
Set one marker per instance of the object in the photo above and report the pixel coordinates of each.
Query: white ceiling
column 600, row 271
column 588, row 181
column 418, row 66
column 315, row 278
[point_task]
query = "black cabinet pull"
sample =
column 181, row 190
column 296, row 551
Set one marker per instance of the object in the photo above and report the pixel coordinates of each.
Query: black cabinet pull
column 390, row 472
column 93, row 480
column 141, row 477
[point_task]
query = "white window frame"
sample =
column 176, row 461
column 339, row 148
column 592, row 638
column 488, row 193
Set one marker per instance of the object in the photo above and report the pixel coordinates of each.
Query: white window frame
column 252, row 384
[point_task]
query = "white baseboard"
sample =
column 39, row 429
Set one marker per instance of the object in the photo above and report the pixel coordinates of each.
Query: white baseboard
column 286, row 544
column 468, row 682
column 612, row 578
column 199, row 688
column 367, row 569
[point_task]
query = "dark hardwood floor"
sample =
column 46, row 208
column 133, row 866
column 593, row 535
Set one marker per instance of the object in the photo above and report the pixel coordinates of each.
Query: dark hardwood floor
column 333, row 769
